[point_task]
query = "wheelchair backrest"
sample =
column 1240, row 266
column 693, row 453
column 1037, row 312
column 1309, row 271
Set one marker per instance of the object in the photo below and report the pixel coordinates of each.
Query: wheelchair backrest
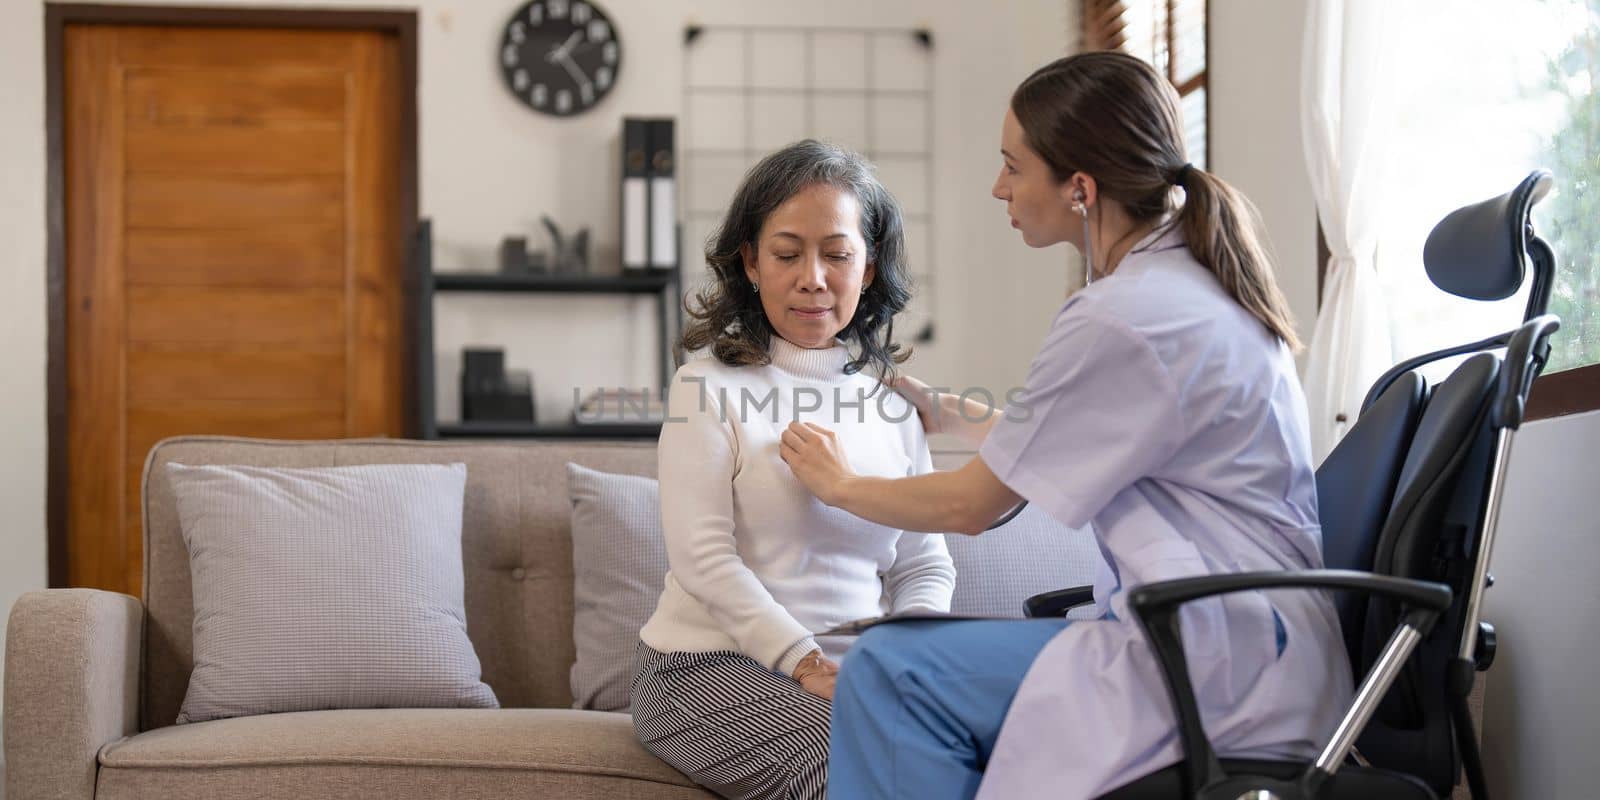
column 1431, row 534
column 1356, row 488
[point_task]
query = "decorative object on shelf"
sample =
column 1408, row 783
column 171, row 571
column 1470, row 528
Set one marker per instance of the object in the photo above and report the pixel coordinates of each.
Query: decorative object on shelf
column 560, row 57
column 613, row 407
column 516, row 260
column 635, row 194
column 661, row 286
column 570, row 253
column 663, row 196
column 489, row 393
column 649, row 194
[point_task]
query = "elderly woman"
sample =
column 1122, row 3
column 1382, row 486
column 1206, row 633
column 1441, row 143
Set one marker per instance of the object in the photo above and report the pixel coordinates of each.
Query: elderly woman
column 734, row 685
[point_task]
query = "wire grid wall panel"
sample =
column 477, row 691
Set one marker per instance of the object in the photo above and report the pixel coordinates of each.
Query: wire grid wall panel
column 750, row 90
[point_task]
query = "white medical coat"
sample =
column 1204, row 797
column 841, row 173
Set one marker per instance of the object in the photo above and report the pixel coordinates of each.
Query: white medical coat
column 1164, row 414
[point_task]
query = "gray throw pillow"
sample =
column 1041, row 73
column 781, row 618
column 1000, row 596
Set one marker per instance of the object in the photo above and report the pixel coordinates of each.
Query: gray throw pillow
column 619, row 566
column 997, row 571
column 326, row 588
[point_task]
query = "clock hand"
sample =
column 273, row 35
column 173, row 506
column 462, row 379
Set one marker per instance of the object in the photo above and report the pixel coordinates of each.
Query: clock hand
column 572, row 69
column 561, row 52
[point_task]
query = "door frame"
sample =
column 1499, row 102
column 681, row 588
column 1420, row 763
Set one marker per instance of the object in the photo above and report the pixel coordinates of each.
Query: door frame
column 57, row 16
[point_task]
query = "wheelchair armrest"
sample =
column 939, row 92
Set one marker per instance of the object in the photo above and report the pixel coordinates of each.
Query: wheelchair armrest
column 1058, row 602
column 1526, row 352
column 1157, row 604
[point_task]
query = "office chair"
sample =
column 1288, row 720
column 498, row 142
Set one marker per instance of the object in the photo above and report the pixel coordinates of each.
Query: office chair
column 1482, row 252
column 1409, row 503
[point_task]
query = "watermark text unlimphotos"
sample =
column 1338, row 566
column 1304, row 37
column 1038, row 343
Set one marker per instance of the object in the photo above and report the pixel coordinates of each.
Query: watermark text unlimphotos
column 783, row 404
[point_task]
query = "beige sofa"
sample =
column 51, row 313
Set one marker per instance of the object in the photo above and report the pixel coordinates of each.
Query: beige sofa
column 94, row 680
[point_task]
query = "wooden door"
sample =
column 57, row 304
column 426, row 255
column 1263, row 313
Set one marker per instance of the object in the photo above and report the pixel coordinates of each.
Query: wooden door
column 234, row 254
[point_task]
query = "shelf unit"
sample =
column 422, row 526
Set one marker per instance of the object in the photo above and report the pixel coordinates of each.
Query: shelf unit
column 660, row 283
column 577, row 284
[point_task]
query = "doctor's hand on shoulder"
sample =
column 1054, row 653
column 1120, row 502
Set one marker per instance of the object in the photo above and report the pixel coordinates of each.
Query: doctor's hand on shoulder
column 923, row 398
column 958, row 415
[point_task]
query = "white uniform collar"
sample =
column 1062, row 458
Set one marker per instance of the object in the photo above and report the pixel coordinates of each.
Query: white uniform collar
column 1167, row 235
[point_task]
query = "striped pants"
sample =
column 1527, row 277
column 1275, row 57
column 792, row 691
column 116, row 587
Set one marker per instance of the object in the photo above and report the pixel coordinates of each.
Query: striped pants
column 731, row 725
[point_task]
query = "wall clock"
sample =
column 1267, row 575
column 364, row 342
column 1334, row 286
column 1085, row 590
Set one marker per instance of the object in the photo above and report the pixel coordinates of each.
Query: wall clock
column 560, row 57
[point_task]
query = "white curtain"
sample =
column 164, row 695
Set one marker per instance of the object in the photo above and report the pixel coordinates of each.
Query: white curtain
column 1345, row 111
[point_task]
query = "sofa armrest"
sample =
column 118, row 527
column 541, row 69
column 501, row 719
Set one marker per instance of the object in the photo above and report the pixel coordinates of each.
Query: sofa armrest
column 71, row 687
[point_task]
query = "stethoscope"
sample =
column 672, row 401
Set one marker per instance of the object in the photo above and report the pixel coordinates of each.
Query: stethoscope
column 1008, row 516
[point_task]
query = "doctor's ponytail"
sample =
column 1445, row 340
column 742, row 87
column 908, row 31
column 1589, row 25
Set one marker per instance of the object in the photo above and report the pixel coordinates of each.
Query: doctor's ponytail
column 1111, row 116
column 1221, row 226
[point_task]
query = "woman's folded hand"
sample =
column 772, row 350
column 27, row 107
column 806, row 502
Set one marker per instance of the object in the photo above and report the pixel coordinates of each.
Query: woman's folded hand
column 817, row 674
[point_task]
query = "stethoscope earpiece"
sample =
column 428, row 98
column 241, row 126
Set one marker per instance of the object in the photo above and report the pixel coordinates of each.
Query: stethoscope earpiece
column 1088, row 244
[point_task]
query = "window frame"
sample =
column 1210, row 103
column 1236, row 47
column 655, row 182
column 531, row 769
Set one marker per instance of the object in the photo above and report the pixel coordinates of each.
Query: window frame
column 1096, row 32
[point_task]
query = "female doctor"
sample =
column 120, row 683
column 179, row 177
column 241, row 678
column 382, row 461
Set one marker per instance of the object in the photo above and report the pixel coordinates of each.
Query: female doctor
column 1163, row 409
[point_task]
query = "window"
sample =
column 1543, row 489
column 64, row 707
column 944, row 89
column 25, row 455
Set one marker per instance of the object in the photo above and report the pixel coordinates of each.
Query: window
column 1488, row 90
column 1171, row 34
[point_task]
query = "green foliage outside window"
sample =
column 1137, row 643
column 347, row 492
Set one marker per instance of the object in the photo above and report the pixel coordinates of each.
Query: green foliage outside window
column 1570, row 219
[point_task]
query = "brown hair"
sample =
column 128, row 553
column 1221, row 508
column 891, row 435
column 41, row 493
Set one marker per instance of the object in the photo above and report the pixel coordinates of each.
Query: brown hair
column 1112, row 116
column 727, row 315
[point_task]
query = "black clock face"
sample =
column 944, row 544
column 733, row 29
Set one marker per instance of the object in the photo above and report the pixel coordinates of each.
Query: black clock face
column 560, row 56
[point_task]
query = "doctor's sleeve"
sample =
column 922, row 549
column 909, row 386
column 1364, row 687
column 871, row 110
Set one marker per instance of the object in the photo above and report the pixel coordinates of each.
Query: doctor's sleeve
column 922, row 578
column 1098, row 412
column 698, row 457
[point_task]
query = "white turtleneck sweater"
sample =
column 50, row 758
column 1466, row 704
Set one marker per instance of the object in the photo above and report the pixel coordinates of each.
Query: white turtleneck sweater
column 758, row 564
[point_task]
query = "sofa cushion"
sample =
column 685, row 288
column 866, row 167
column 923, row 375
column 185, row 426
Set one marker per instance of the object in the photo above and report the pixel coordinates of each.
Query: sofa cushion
column 516, row 545
column 619, row 562
column 393, row 753
column 336, row 587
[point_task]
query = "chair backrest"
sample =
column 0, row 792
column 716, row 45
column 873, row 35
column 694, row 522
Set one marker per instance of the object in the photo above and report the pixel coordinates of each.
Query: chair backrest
column 1355, row 490
column 1432, row 533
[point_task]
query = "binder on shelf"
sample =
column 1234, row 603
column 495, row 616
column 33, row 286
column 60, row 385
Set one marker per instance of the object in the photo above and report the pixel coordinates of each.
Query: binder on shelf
column 635, row 194
column 663, row 195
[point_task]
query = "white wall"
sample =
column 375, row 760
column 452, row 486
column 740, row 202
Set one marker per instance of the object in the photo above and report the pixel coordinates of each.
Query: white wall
column 22, row 307
column 1542, row 708
column 491, row 167
column 1254, row 52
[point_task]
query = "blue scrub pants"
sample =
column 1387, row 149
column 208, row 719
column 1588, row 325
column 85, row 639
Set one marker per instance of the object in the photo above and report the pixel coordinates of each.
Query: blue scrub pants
column 918, row 705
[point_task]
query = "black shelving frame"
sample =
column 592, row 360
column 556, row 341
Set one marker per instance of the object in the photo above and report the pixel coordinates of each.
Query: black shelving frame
column 663, row 284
